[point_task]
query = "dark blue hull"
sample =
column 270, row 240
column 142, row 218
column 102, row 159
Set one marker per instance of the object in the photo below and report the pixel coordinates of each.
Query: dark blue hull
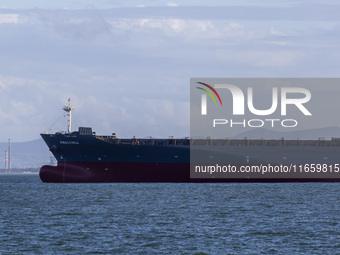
column 91, row 158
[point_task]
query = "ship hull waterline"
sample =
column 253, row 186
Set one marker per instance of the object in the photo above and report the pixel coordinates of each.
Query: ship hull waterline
column 99, row 172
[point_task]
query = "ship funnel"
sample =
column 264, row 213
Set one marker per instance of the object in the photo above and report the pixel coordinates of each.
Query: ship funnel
column 68, row 109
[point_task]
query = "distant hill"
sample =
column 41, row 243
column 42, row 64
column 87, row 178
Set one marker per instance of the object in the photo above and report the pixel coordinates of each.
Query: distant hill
column 30, row 154
column 310, row 134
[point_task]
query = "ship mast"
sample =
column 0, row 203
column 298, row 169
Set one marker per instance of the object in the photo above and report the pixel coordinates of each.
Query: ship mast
column 68, row 109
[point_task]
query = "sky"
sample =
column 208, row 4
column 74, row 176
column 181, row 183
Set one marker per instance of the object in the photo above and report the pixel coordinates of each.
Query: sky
column 126, row 65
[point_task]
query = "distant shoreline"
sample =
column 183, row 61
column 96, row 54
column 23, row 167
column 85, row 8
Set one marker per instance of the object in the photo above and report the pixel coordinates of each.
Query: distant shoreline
column 20, row 171
column 1, row 173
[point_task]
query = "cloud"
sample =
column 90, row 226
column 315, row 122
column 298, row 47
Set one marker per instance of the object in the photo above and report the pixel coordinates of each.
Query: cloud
column 187, row 30
column 172, row 4
column 283, row 58
column 18, row 105
column 7, row 82
column 127, row 70
column 9, row 18
column 76, row 26
column 295, row 12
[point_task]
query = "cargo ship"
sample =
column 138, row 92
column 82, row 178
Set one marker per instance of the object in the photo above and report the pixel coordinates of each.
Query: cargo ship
column 83, row 156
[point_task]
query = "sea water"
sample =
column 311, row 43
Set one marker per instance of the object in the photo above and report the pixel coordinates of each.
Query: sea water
column 167, row 218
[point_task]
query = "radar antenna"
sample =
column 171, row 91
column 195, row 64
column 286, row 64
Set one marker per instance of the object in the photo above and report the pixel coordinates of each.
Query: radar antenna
column 68, row 109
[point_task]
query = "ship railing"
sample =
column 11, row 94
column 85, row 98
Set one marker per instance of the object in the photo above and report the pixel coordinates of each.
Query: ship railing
column 266, row 142
column 146, row 141
column 222, row 142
